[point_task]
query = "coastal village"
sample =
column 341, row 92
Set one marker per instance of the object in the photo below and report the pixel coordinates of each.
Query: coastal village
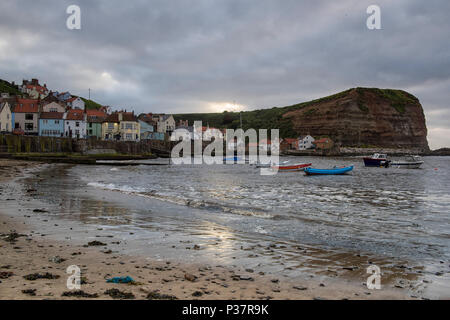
column 35, row 110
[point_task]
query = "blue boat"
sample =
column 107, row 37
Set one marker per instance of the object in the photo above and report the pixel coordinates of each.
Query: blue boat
column 335, row 171
column 232, row 159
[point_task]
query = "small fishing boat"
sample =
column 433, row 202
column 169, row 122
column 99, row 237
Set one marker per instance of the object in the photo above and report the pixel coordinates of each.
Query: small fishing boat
column 410, row 162
column 267, row 165
column 292, row 167
column 333, row 171
column 377, row 160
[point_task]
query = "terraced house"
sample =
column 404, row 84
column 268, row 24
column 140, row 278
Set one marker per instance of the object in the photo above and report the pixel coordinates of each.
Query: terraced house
column 110, row 127
column 95, row 119
column 26, row 116
column 5, row 116
column 129, row 127
column 75, row 124
column 121, row 126
column 51, row 124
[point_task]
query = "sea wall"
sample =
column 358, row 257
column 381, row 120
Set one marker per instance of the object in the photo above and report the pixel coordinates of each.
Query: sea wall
column 10, row 144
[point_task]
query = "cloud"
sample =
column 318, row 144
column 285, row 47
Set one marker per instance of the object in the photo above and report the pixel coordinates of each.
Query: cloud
column 186, row 56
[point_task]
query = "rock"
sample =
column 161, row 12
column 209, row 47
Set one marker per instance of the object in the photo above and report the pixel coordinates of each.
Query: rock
column 40, row 210
column 30, row 292
column 190, row 277
column 154, row 295
column 96, row 243
column 35, row 276
column 197, row 294
column 79, row 294
column 300, row 288
column 196, row 247
column 117, row 294
column 249, row 270
column 56, row 259
column 360, row 116
column 6, row 274
column 274, row 280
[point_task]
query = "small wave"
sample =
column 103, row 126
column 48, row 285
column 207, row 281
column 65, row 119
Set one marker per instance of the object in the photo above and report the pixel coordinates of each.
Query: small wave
column 113, row 187
column 193, row 203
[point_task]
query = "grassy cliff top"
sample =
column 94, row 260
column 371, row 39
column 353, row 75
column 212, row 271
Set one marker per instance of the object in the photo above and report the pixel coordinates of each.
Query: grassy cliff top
column 273, row 118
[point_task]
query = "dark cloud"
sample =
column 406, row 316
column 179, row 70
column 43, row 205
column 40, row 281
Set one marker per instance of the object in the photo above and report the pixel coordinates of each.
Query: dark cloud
column 195, row 55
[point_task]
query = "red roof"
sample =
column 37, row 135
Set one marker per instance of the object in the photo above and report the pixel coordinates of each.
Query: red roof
column 114, row 117
column 26, row 106
column 96, row 113
column 38, row 88
column 75, row 114
column 291, row 140
column 71, row 99
column 52, row 115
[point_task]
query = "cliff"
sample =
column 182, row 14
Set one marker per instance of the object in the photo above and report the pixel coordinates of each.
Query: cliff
column 364, row 117
column 358, row 117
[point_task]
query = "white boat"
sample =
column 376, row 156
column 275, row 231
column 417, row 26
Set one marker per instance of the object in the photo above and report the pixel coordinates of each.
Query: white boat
column 410, row 162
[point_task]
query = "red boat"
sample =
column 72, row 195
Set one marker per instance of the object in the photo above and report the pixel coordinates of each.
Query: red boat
column 293, row 167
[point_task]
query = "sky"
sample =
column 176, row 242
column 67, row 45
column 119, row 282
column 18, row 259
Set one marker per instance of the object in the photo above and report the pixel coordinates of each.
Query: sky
column 186, row 56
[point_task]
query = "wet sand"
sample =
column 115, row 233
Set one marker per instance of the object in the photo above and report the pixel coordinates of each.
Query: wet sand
column 24, row 251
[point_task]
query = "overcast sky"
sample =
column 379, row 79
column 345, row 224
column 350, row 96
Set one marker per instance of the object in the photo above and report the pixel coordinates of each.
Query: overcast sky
column 182, row 56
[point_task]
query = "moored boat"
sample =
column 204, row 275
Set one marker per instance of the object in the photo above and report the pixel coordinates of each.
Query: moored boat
column 292, row 167
column 332, row 171
column 410, row 162
column 377, row 160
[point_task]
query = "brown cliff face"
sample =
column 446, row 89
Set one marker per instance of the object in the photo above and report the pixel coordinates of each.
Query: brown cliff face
column 364, row 117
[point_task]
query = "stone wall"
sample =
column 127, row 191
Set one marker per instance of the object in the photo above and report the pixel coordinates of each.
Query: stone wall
column 34, row 144
column 28, row 144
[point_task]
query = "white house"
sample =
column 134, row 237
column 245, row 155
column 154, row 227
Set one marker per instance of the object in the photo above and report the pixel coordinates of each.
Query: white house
column 5, row 117
column 166, row 123
column 305, row 142
column 75, row 124
column 75, row 102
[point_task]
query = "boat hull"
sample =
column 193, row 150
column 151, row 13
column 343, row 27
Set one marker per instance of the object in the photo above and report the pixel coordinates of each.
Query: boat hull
column 334, row 171
column 294, row 167
column 370, row 162
column 407, row 165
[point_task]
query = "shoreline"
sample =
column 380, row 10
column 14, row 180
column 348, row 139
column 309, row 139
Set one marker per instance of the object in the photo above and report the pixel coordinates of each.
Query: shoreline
column 33, row 253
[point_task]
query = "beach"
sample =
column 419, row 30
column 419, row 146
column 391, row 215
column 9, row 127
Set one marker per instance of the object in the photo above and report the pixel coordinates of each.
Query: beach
column 29, row 251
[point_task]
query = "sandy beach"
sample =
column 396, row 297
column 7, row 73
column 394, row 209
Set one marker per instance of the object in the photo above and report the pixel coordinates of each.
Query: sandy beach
column 26, row 254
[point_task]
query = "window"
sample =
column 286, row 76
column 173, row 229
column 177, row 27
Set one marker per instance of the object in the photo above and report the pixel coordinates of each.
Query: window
column 77, row 124
column 111, row 126
column 28, row 116
column 53, row 110
column 7, row 116
column 56, row 121
column 45, row 121
column 129, row 136
column 29, row 127
column 128, row 126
